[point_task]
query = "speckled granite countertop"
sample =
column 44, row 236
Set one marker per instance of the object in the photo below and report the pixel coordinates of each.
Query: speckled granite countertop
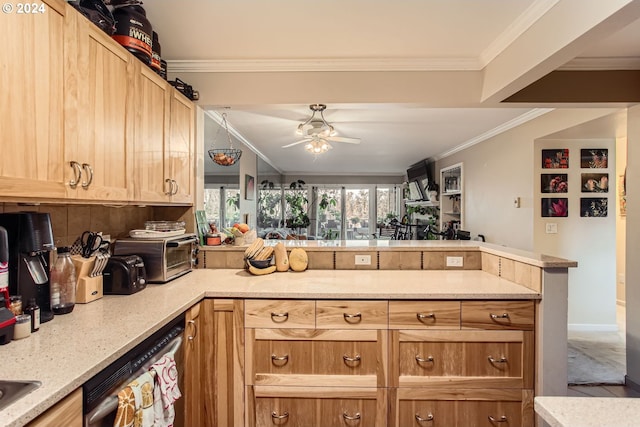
column 72, row 348
column 564, row 411
column 531, row 258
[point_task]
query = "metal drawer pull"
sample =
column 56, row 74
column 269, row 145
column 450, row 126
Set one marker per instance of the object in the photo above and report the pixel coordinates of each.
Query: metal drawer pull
column 348, row 359
column 275, row 415
column 77, row 173
column 422, row 360
column 502, row 419
column 279, row 317
column 427, row 418
column 421, row 316
column 275, row 359
column 169, row 181
column 352, row 318
column 351, row 418
column 499, row 316
column 87, row 167
column 195, row 330
column 501, row 360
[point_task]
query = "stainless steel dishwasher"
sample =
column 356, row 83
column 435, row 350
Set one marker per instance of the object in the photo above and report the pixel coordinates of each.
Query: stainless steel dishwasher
column 100, row 393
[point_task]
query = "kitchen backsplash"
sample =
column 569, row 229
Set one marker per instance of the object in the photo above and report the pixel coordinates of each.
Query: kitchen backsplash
column 69, row 221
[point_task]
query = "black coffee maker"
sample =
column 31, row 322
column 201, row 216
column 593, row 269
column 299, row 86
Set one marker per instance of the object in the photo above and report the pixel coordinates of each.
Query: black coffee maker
column 30, row 243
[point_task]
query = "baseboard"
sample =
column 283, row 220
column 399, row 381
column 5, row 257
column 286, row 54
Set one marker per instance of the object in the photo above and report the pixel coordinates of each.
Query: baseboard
column 631, row 384
column 587, row 327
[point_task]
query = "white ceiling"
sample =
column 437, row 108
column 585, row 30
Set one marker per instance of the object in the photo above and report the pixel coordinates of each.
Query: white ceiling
column 268, row 60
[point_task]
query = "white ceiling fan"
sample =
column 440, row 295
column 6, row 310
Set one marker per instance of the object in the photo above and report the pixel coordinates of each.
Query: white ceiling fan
column 318, row 133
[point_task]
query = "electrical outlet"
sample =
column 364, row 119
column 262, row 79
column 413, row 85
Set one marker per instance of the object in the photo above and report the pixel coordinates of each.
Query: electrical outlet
column 551, row 228
column 454, row 261
column 516, row 202
column 363, row 259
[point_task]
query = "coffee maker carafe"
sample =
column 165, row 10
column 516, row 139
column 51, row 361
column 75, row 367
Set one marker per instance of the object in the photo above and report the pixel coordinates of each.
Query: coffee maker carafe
column 30, row 243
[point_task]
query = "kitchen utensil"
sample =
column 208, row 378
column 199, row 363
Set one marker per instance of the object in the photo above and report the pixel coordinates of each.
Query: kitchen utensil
column 91, row 242
column 96, row 265
column 103, row 259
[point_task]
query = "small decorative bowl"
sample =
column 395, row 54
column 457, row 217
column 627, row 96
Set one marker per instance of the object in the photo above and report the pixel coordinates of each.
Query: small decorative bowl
column 260, row 263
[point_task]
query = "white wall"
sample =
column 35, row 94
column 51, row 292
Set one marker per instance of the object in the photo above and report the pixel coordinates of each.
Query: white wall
column 501, row 168
column 621, row 222
column 590, row 241
column 633, row 245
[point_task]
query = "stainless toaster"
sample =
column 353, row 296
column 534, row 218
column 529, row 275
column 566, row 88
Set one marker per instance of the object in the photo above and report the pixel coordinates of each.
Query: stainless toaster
column 164, row 258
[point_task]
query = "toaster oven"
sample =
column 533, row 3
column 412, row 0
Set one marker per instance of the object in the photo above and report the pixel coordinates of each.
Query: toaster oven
column 164, row 258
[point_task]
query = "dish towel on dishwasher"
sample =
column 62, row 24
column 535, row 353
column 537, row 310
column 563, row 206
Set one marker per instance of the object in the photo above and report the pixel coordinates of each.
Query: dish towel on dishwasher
column 165, row 391
column 135, row 403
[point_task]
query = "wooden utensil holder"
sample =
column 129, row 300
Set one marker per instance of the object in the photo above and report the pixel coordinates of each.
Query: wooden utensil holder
column 89, row 288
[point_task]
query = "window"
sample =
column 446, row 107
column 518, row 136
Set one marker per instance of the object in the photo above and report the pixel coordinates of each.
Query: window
column 357, row 213
column 269, row 208
column 329, row 213
column 386, row 204
column 222, row 206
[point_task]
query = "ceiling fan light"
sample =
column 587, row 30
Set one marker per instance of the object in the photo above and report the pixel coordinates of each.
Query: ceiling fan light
column 317, row 147
column 299, row 131
column 332, row 131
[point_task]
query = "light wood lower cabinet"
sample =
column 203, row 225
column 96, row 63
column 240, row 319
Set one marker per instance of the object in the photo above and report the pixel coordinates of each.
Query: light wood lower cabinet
column 388, row 363
column 193, row 347
column 67, row 412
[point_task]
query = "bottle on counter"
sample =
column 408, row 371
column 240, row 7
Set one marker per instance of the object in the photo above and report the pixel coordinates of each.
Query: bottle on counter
column 63, row 283
column 34, row 311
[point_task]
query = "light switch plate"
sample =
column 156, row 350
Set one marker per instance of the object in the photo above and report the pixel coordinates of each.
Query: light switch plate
column 551, row 228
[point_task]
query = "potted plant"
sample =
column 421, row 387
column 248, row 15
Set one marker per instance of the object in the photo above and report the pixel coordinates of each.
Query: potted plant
column 297, row 202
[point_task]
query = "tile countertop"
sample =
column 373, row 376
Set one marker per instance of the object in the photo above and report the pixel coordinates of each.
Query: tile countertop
column 531, row 258
column 562, row 411
column 72, row 348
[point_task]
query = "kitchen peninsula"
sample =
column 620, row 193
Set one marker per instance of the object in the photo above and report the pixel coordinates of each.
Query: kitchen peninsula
column 511, row 296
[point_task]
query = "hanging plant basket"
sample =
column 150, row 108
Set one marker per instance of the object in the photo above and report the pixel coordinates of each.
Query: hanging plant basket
column 224, row 156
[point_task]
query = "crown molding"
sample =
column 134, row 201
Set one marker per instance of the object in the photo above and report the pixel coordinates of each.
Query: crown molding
column 523, row 118
column 334, row 64
column 602, row 63
column 530, row 16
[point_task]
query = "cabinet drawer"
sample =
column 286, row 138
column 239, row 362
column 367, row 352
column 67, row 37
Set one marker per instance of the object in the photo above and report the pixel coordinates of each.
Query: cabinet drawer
column 279, row 314
column 315, row 357
column 424, row 315
column 497, row 315
column 307, row 412
column 424, row 407
column 421, row 413
column 352, row 314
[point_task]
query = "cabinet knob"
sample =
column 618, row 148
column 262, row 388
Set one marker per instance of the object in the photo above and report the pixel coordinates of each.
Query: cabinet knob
column 352, row 318
column 501, row 360
column 351, row 360
column 275, row 415
column 348, row 417
column 428, row 359
column 279, row 317
column 420, row 419
column 279, row 360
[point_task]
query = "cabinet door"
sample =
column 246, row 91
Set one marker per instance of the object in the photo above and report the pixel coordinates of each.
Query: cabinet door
column 151, row 127
column 67, row 412
column 32, row 107
column 193, row 366
column 223, row 364
column 180, row 146
column 99, row 131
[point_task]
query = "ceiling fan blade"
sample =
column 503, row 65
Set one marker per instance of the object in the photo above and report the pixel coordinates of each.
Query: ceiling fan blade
column 296, row 143
column 343, row 139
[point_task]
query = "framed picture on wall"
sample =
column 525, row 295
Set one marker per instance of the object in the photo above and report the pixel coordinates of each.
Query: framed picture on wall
column 595, row 182
column 594, row 158
column 557, row 158
column 555, row 207
column 593, row 207
column 554, row 183
column 249, row 187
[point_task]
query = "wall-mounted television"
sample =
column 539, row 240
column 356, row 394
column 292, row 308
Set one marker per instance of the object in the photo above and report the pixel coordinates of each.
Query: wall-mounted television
column 420, row 173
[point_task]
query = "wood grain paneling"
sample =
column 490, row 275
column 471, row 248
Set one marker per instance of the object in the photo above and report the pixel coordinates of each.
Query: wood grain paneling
column 400, row 260
column 424, row 314
column 498, row 315
column 280, row 314
column 349, row 314
column 67, row 412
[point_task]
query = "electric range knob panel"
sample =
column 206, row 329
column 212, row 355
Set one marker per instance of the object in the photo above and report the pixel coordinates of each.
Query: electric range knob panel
column 124, row 275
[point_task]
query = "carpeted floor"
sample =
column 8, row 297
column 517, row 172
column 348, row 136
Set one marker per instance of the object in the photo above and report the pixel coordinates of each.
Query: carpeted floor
column 596, row 360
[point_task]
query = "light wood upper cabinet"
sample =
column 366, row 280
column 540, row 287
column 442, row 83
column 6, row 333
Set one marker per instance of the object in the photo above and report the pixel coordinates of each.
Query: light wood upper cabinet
column 99, row 117
column 151, row 129
column 32, row 106
column 180, row 148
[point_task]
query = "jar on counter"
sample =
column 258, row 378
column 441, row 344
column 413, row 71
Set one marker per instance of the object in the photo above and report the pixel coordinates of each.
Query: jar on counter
column 15, row 304
column 63, row 283
column 22, row 328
